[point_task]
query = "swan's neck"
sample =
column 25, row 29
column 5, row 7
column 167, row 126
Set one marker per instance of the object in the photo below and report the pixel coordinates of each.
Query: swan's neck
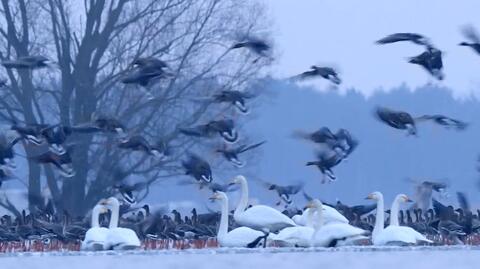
column 223, row 228
column 394, row 212
column 95, row 216
column 317, row 224
column 114, row 218
column 242, row 205
column 310, row 217
column 379, row 220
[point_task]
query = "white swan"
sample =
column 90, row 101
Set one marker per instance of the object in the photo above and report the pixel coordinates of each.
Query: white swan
column 298, row 236
column 96, row 236
column 393, row 234
column 332, row 234
column 238, row 237
column 258, row 217
column 118, row 238
column 330, row 214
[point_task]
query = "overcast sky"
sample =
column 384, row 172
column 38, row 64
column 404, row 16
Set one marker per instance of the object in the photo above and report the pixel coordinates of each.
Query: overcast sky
column 342, row 32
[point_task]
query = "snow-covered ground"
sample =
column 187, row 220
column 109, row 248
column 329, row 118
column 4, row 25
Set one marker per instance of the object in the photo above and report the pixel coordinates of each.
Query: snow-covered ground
column 358, row 258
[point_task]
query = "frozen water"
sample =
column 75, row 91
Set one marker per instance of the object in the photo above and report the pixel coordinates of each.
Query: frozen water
column 355, row 257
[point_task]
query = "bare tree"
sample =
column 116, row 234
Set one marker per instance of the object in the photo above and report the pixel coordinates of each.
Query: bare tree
column 94, row 44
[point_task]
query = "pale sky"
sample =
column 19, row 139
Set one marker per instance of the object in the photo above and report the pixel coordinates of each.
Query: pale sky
column 342, row 33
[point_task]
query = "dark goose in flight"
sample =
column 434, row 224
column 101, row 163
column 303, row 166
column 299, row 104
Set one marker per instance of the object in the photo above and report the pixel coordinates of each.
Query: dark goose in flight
column 137, row 143
column 198, row 168
column 472, row 35
column 400, row 37
column 327, row 73
column 397, row 119
column 257, row 46
column 225, row 128
column 326, row 160
column 232, row 154
column 236, row 98
column 445, row 121
column 63, row 162
column 28, row 62
column 431, row 61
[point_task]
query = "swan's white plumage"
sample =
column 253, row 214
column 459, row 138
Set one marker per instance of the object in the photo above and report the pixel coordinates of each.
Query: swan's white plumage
column 330, row 214
column 261, row 216
column 332, row 232
column 96, row 236
column 122, row 239
column 393, row 234
column 95, row 239
column 399, row 235
column 238, row 237
column 328, row 235
column 258, row 217
column 119, row 238
column 299, row 236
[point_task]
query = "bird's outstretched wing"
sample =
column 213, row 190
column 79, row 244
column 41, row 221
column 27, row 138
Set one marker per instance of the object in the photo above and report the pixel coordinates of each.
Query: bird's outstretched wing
column 471, row 33
column 245, row 148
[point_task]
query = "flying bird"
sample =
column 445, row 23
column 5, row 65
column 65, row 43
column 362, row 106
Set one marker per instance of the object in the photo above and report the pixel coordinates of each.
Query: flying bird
column 236, row 98
column 257, row 46
column 342, row 140
column 284, row 192
column 401, row 37
column 431, row 61
column 326, row 160
column 28, row 62
column 327, row 73
column 445, row 121
column 62, row 162
column 473, row 38
column 138, row 143
column 232, row 154
column 198, row 168
column 397, row 119
column 225, row 128
column 7, row 153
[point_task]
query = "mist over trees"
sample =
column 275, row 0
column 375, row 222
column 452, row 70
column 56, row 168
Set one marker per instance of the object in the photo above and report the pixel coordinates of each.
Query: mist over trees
column 94, row 43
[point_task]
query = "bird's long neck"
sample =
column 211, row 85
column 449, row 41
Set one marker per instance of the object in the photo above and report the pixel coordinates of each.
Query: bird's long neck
column 394, row 211
column 379, row 220
column 242, row 205
column 95, row 216
column 310, row 217
column 223, row 228
column 115, row 215
column 317, row 224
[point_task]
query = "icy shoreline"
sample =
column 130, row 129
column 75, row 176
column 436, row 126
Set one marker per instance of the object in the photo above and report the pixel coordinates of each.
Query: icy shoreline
column 355, row 257
column 214, row 251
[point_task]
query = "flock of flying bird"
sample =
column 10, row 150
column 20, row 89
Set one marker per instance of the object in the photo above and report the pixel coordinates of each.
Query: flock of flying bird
column 319, row 224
